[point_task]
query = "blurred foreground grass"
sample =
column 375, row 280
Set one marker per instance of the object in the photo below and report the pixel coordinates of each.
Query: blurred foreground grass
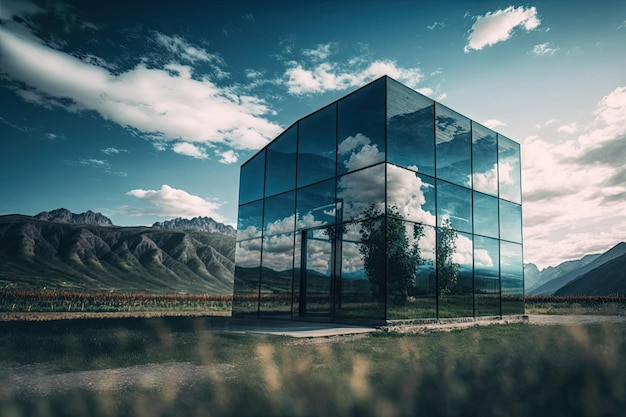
column 499, row 370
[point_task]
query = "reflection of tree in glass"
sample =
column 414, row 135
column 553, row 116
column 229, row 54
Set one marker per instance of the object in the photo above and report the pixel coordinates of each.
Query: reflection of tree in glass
column 395, row 257
column 446, row 247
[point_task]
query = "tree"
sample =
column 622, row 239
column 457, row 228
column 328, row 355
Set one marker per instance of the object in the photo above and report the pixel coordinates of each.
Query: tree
column 388, row 253
column 447, row 270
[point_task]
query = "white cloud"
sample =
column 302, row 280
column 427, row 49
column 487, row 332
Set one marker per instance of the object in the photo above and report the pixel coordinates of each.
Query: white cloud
column 185, row 50
column 113, row 151
column 498, row 26
column 171, row 202
column 351, row 143
column 228, row 157
column 544, row 49
column 320, row 53
column 570, row 128
column 493, row 123
column 162, row 103
column 407, row 192
column 189, row 149
column 436, row 25
column 327, row 76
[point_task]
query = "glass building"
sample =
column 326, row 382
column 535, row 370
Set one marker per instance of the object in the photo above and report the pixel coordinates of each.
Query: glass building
column 381, row 206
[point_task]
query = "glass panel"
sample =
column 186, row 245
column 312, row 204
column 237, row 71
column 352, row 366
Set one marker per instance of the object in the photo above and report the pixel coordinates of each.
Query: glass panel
column 361, row 193
column 281, row 163
column 361, row 128
column 454, row 273
column 361, row 289
column 250, row 220
column 512, row 272
column 318, row 279
column 317, row 146
column 316, row 205
column 410, row 129
column 453, row 146
column 487, row 276
column 510, row 222
column 485, row 215
column 509, row 167
column 454, row 206
column 280, row 214
column 252, row 178
column 411, row 276
column 247, row 271
column 411, row 195
column 484, row 159
column 276, row 276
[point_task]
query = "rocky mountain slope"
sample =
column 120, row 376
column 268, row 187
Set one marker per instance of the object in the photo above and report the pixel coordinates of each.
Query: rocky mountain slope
column 65, row 216
column 199, row 224
column 533, row 278
column 78, row 256
column 607, row 279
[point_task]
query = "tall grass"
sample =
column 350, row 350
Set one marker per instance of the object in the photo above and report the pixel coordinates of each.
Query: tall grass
column 498, row 370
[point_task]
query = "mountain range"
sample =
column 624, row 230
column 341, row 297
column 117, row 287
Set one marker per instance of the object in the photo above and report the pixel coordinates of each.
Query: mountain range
column 86, row 252
column 597, row 274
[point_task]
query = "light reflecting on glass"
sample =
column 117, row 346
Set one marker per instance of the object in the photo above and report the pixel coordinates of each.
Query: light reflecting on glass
column 453, row 146
column 281, row 163
column 510, row 221
column 410, row 129
column 509, row 166
column 247, row 275
column 487, row 276
column 317, row 146
column 252, row 179
column 250, row 220
column 361, row 128
column 317, row 285
column 412, row 195
column 512, row 278
column 485, row 215
column 454, row 204
column 316, row 205
column 454, row 273
column 279, row 214
column 276, row 276
column 361, row 191
column 484, row 159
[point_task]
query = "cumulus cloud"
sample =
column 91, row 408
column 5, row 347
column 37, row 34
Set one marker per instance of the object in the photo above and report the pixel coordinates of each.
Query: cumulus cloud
column 544, row 49
column 171, row 202
column 413, row 197
column 570, row 128
column 228, row 157
column 164, row 103
column 493, row 123
column 189, row 149
column 113, row 151
column 498, row 26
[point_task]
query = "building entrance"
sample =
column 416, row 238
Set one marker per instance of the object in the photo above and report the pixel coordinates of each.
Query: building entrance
column 317, row 276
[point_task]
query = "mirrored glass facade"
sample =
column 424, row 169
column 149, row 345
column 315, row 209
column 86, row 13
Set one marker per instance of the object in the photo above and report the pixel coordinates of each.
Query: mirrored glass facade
column 381, row 206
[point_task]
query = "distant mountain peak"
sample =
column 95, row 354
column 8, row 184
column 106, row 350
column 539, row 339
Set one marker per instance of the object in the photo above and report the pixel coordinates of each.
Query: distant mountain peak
column 200, row 224
column 63, row 215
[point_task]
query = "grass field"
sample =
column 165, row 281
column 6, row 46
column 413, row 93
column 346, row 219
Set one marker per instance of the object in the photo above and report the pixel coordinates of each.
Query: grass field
column 603, row 305
column 499, row 370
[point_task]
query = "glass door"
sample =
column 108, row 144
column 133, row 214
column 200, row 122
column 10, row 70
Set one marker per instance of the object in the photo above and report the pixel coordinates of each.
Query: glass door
column 317, row 275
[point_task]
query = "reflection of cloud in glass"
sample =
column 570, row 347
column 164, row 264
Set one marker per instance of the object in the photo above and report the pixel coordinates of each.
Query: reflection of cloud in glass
column 406, row 191
column 485, row 181
column 448, row 128
column 281, row 226
column 248, row 253
column 248, row 233
column 482, row 259
column 464, row 253
column 350, row 143
column 319, row 250
column 308, row 221
column 351, row 259
column 361, row 153
column 278, row 252
column 360, row 190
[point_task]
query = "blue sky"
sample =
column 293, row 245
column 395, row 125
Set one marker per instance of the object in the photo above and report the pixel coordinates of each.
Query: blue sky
column 144, row 111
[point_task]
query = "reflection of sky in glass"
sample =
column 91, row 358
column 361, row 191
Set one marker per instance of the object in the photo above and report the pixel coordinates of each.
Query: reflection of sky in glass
column 351, row 259
column 412, row 194
column 510, row 221
column 280, row 213
column 360, row 190
column 484, row 159
column 486, row 256
column 453, row 146
column 317, row 145
column 509, row 165
column 252, row 179
column 485, row 215
column 511, row 262
column 278, row 252
column 281, row 163
column 454, row 203
column 316, row 205
column 250, row 220
column 318, row 251
column 410, row 130
column 248, row 253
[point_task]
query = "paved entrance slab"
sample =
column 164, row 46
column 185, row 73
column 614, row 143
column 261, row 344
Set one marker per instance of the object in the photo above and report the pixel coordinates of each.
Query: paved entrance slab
column 287, row 328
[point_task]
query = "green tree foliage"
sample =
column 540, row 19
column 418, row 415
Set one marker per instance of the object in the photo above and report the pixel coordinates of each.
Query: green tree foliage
column 447, row 270
column 389, row 252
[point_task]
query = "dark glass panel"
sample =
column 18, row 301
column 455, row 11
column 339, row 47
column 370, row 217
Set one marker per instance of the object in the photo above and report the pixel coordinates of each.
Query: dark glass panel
column 454, row 273
column 317, row 281
column 279, row 214
column 485, row 215
column 360, row 193
column 247, row 272
column 281, row 163
column 509, row 167
column 277, row 276
column 361, row 128
column 317, row 146
column 362, row 286
column 487, row 276
column 484, row 159
column 250, row 221
column 316, row 205
column 454, row 206
column 510, row 221
column 512, row 281
column 453, row 146
column 411, row 276
column 252, row 178
column 410, row 129
column 411, row 195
